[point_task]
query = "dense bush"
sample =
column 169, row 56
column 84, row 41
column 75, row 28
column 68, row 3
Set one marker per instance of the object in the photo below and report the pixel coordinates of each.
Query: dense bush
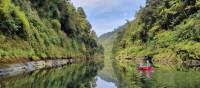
column 163, row 29
column 43, row 28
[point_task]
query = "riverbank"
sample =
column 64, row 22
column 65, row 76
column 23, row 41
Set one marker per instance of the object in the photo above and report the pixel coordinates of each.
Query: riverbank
column 77, row 75
column 165, row 63
column 19, row 68
column 27, row 65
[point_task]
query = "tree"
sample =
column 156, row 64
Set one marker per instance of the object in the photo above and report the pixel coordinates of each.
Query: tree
column 81, row 12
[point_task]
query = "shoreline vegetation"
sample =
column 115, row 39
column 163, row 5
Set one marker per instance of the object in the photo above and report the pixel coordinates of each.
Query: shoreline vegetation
column 77, row 75
column 32, row 30
column 13, row 69
column 166, row 30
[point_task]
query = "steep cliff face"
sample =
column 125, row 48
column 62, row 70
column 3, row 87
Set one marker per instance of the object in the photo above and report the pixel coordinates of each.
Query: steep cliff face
column 38, row 29
column 167, row 30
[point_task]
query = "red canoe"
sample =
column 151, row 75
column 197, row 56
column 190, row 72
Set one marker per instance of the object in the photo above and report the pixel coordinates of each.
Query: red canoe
column 145, row 68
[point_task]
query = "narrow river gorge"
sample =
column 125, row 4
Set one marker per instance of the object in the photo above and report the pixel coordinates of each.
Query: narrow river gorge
column 99, row 44
column 96, row 74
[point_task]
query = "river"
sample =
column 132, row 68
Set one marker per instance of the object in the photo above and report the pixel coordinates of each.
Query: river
column 89, row 75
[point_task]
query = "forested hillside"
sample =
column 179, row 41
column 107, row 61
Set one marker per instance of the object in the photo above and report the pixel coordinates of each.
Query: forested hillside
column 41, row 29
column 107, row 40
column 167, row 30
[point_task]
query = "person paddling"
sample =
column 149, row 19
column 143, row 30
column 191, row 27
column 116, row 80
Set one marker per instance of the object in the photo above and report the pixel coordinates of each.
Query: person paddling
column 148, row 64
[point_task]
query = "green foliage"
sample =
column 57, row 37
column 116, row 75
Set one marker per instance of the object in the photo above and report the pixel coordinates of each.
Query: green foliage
column 189, row 30
column 5, row 8
column 188, row 50
column 21, row 16
column 164, row 29
column 56, row 24
column 45, row 29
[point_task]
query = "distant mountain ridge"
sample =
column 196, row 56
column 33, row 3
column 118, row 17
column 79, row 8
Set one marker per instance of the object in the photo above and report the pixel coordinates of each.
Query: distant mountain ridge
column 111, row 35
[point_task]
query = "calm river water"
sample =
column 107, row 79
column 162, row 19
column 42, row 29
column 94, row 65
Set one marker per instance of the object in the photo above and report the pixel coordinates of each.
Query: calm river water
column 85, row 75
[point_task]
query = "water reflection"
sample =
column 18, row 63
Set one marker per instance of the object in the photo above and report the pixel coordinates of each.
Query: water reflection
column 174, row 79
column 146, row 78
column 84, row 75
column 101, row 83
column 146, row 74
column 130, row 77
column 81, row 75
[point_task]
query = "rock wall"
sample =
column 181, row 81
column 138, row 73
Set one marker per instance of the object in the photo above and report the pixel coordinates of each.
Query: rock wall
column 16, row 69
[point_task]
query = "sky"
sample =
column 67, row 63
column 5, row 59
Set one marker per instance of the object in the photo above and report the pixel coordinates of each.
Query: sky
column 107, row 15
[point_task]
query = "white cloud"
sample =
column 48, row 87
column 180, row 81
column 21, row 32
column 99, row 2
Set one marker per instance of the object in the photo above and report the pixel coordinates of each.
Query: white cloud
column 94, row 4
column 102, row 6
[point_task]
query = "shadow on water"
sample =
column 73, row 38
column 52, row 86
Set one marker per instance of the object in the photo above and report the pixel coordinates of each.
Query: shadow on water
column 80, row 75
